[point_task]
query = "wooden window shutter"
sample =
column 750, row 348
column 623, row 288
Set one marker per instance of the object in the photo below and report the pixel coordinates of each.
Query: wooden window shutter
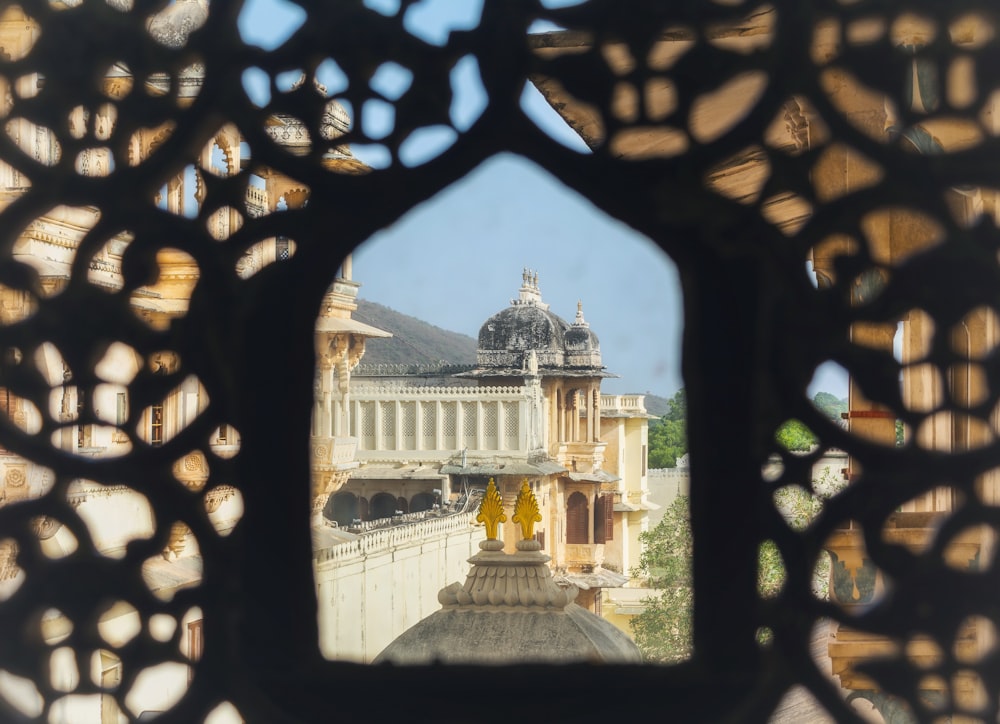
column 609, row 516
column 577, row 522
column 599, row 532
column 604, row 520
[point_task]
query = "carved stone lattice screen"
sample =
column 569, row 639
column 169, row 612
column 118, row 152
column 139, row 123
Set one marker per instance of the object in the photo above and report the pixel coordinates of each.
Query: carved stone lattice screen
column 746, row 140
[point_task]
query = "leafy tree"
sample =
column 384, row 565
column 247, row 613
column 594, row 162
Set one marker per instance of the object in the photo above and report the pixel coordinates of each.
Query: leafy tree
column 794, row 436
column 663, row 631
column 668, row 435
column 678, row 407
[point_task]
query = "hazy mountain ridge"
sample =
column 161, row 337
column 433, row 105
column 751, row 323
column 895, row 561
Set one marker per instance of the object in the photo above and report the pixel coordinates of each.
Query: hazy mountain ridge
column 656, row 405
column 413, row 340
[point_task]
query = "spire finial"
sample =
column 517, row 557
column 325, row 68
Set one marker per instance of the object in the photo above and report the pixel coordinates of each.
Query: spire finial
column 491, row 511
column 529, row 292
column 526, row 511
column 579, row 314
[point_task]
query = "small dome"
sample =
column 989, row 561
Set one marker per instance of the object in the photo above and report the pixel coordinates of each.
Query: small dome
column 582, row 346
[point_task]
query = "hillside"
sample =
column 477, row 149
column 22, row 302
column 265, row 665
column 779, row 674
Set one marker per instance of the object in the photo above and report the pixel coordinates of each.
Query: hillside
column 413, row 341
column 656, row 405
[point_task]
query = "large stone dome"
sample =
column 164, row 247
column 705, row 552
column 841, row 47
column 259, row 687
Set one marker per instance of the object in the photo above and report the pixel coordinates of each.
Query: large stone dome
column 508, row 335
column 528, row 326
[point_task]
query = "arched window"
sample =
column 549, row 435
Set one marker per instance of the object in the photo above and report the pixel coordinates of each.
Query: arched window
column 383, row 505
column 421, row 501
column 402, row 505
column 577, row 519
column 342, row 508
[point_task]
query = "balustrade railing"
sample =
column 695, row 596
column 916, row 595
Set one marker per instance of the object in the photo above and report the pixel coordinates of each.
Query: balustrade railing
column 381, row 539
column 388, row 369
column 623, row 403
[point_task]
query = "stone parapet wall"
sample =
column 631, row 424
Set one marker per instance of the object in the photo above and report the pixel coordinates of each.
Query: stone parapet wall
column 390, row 369
column 414, row 530
column 371, row 590
column 623, row 404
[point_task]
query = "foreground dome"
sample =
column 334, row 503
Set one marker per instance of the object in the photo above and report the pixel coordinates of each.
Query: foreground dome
column 510, row 611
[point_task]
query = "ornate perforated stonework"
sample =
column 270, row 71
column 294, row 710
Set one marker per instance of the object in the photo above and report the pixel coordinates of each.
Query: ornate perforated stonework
column 747, row 141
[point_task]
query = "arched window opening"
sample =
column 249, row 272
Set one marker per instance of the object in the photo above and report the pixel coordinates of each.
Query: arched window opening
column 383, row 505
column 421, row 502
column 343, row 509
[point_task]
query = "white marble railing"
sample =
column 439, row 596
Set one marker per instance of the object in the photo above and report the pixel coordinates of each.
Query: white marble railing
column 383, row 539
column 655, row 473
column 379, row 523
column 399, row 369
column 623, row 403
column 399, row 391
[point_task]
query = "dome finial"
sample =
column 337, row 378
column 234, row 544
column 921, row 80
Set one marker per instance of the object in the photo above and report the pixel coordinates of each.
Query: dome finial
column 526, row 511
column 529, row 292
column 580, row 321
column 491, row 511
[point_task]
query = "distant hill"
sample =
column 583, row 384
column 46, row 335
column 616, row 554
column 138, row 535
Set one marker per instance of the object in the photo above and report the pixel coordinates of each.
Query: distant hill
column 413, row 342
column 656, row 405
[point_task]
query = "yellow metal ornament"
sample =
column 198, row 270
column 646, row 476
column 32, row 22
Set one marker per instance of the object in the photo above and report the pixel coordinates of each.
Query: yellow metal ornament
column 491, row 511
column 526, row 511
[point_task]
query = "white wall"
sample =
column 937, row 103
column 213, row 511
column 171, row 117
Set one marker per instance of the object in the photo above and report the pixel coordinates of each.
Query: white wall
column 372, row 589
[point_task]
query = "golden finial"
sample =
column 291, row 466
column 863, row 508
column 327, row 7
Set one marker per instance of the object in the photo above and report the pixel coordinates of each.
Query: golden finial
column 491, row 511
column 526, row 511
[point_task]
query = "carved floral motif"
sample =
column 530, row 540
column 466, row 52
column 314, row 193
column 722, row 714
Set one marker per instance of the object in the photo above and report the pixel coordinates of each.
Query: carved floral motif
column 526, row 511
column 491, row 511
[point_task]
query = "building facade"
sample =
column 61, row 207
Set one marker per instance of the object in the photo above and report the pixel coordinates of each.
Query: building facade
column 530, row 409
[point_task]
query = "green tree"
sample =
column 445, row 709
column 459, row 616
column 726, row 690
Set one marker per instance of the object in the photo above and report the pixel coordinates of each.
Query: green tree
column 663, row 631
column 794, row 436
column 668, row 435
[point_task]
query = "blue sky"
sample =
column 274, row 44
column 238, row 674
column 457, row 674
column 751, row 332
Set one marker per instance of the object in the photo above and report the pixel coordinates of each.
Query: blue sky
column 457, row 259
